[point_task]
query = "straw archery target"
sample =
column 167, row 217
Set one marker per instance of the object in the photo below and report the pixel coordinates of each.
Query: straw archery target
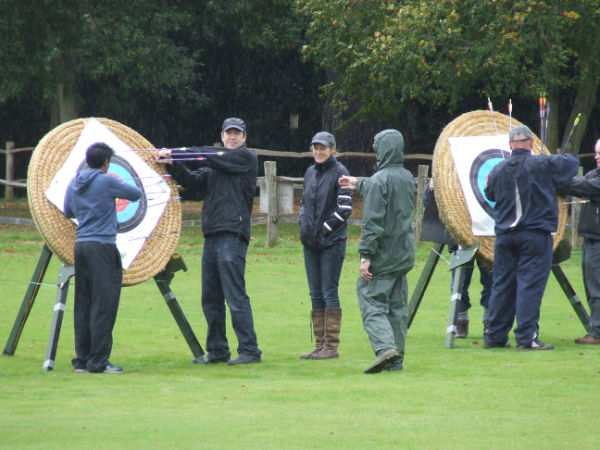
column 162, row 219
column 451, row 194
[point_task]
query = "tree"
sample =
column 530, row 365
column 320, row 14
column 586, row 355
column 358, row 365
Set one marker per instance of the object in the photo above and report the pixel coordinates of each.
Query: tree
column 55, row 47
column 391, row 53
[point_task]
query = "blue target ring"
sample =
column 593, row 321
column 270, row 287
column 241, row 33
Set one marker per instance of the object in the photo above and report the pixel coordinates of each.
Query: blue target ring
column 478, row 175
column 129, row 214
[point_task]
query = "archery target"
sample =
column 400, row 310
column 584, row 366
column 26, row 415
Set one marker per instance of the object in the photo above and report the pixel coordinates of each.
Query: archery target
column 129, row 213
column 479, row 173
column 460, row 173
column 148, row 229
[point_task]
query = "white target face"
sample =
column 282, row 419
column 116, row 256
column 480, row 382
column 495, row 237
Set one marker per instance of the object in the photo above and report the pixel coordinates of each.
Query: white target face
column 474, row 158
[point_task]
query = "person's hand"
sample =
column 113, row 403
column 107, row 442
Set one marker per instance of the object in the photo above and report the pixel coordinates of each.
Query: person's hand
column 162, row 156
column 347, row 182
column 364, row 270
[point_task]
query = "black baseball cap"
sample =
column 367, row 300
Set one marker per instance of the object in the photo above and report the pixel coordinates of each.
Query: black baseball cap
column 233, row 122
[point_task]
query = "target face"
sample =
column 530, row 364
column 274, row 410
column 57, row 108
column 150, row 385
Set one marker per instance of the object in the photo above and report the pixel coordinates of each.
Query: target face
column 129, row 214
column 479, row 173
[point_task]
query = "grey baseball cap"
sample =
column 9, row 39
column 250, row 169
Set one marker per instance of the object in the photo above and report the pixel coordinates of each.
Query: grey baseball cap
column 520, row 133
column 323, row 137
column 233, row 122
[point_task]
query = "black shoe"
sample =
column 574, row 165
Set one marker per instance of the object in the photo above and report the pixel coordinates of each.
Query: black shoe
column 80, row 370
column 112, row 369
column 205, row 359
column 536, row 344
column 383, row 359
column 496, row 345
column 244, row 358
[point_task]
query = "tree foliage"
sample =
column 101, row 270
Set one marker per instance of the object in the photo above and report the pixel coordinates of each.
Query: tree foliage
column 392, row 52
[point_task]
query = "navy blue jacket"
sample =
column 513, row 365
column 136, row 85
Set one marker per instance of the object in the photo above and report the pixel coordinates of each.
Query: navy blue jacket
column 325, row 206
column 227, row 185
column 524, row 188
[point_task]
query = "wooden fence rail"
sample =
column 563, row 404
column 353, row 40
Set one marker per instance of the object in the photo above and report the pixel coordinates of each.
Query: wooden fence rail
column 276, row 192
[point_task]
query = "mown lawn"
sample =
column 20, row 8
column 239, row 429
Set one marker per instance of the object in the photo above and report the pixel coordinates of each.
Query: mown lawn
column 466, row 397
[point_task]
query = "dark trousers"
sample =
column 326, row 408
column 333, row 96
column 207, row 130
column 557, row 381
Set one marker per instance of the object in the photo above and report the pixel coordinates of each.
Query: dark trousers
column 522, row 264
column 223, row 271
column 98, row 278
column 323, row 270
column 485, row 278
column 590, row 264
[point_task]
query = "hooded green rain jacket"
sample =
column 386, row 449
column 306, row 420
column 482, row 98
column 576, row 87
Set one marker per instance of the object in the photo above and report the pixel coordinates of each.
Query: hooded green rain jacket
column 389, row 197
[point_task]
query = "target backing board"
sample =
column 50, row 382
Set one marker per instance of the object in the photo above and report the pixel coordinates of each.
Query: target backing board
column 148, row 228
column 465, row 153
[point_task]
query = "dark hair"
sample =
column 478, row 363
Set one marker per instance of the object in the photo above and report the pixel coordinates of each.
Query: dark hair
column 96, row 154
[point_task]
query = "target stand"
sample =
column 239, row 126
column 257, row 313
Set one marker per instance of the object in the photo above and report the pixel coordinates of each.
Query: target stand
column 434, row 231
column 162, row 279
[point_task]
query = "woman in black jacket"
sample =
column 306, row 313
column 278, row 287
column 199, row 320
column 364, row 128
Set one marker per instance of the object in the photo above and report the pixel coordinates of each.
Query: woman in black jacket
column 324, row 210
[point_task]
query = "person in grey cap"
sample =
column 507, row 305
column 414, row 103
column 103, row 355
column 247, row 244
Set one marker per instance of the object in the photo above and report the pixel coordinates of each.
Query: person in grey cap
column 524, row 189
column 226, row 181
column 387, row 250
column 324, row 211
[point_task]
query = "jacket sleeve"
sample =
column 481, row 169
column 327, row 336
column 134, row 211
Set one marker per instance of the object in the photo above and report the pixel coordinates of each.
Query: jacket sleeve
column 238, row 160
column 120, row 189
column 344, row 206
column 584, row 187
column 564, row 167
column 373, row 223
column 196, row 180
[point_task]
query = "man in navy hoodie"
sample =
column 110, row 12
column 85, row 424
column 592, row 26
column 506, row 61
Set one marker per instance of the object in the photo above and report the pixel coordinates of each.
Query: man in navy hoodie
column 90, row 198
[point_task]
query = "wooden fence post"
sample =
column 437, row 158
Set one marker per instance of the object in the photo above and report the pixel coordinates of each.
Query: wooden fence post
column 422, row 180
column 271, row 188
column 10, row 170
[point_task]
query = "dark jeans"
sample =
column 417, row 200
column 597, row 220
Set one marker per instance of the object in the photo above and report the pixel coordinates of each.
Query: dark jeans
column 522, row 264
column 98, row 278
column 323, row 270
column 590, row 264
column 223, row 269
column 485, row 278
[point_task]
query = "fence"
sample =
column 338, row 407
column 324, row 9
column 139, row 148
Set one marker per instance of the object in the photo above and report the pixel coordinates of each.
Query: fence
column 9, row 172
column 276, row 192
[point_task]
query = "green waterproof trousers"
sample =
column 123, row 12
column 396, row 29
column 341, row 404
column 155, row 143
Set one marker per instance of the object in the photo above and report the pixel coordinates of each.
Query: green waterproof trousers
column 384, row 310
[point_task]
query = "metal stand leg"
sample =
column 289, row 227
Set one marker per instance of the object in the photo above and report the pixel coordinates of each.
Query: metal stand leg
column 65, row 273
column 163, row 280
column 572, row 296
column 30, row 295
column 426, row 274
column 459, row 281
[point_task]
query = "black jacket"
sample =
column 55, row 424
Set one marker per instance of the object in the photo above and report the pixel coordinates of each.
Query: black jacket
column 587, row 187
column 227, row 185
column 325, row 206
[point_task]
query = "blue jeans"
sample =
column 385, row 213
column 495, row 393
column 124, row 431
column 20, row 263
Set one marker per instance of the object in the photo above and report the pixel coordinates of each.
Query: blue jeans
column 223, row 270
column 323, row 270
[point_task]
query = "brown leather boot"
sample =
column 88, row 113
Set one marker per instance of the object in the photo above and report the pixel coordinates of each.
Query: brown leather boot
column 333, row 323
column 318, row 325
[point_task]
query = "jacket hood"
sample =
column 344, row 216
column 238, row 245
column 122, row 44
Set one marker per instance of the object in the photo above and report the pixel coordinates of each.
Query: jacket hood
column 389, row 147
column 84, row 179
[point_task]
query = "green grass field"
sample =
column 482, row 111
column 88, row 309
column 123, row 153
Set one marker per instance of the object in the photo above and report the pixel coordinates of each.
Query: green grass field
column 465, row 397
